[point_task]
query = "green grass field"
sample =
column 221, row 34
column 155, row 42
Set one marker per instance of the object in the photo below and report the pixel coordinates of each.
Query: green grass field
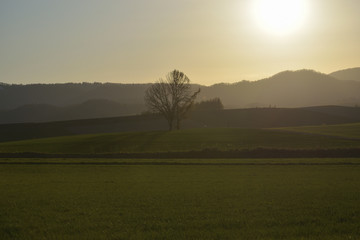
column 341, row 130
column 183, row 198
column 184, row 140
column 181, row 202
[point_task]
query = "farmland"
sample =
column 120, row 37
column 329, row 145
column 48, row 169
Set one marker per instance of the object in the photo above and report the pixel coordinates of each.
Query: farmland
column 181, row 202
column 189, row 198
column 341, row 130
column 184, row 140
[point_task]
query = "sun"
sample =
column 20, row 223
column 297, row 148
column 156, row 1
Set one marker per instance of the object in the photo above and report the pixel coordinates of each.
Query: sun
column 280, row 17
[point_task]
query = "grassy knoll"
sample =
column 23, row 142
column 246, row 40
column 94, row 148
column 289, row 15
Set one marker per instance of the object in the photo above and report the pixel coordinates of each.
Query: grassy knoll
column 180, row 202
column 184, row 140
column 341, row 130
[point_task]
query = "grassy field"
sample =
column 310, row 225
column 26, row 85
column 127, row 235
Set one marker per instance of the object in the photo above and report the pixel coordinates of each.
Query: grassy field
column 342, row 130
column 181, row 202
column 183, row 198
column 184, row 140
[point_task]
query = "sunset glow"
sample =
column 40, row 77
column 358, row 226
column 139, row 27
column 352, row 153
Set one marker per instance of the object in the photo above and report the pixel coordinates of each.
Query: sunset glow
column 139, row 41
column 280, row 16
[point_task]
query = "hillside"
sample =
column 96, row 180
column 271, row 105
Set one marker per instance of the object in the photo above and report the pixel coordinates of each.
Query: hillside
column 178, row 141
column 340, row 111
column 347, row 74
column 350, row 131
column 289, row 89
column 230, row 118
column 49, row 102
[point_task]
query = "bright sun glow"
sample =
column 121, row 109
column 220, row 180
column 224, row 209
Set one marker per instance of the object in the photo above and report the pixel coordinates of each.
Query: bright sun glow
column 280, row 17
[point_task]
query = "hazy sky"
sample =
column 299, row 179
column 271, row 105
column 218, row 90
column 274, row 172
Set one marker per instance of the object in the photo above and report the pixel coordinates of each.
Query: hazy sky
column 48, row 41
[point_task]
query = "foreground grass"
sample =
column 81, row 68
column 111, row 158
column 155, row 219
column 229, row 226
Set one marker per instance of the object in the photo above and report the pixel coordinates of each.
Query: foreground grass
column 341, row 130
column 184, row 140
column 180, row 202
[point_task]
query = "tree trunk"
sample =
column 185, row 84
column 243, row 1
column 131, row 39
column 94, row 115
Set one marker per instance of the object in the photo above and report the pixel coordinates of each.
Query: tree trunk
column 178, row 124
column 170, row 123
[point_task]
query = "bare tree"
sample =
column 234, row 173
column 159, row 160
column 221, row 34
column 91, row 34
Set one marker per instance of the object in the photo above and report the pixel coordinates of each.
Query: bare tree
column 171, row 97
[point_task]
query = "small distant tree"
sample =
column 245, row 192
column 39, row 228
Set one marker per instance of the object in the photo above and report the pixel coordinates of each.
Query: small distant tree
column 209, row 105
column 171, row 97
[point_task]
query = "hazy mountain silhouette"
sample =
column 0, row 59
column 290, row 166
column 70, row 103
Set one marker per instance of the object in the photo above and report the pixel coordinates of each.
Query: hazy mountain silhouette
column 50, row 102
column 95, row 108
column 15, row 95
column 347, row 74
column 287, row 89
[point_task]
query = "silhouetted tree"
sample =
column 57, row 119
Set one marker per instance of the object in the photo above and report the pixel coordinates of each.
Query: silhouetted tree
column 171, row 97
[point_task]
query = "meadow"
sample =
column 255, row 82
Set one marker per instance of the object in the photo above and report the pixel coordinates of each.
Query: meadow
column 185, row 140
column 350, row 131
column 96, row 198
column 247, row 201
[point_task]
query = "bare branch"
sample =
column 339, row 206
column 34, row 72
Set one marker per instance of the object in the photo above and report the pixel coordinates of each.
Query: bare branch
column 171, row 97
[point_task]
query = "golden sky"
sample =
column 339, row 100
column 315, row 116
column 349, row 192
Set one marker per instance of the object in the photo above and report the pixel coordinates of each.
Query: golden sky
column 138, row 41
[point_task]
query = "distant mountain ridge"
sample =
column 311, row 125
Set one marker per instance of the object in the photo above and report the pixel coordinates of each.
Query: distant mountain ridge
column 65, row 94
column 347, row 74
column 300, row 88
column 288, row 89
column 94, row 108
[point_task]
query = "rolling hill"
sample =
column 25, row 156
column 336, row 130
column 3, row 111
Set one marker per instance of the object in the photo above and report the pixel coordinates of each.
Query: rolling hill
column 228, row 118
column 223, row 139
column 349, row 131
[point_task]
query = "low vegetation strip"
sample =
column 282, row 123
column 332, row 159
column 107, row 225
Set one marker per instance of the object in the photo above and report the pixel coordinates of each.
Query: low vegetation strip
column 131, row 163
column 176, row 161
column 204, row 154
